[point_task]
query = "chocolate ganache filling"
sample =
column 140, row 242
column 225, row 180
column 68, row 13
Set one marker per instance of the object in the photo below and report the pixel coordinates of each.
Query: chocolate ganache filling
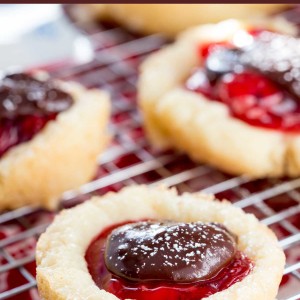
column 257, row 76
column 26, row 105
column 21, row 94
column 169, row 251
column 275, row 55
column 278, row 57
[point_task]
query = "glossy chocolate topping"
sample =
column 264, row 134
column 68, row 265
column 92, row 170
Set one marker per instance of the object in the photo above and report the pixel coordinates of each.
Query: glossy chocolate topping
column 278, row 57
column 168, row 251
column 275, row 55
column 21, row 94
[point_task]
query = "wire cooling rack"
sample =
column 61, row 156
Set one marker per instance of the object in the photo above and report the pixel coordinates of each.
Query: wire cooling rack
column 131, row 160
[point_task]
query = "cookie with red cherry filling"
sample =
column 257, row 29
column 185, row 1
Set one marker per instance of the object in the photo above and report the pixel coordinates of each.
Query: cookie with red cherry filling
column 228, row 95
column 149, row 243
column 51, row 133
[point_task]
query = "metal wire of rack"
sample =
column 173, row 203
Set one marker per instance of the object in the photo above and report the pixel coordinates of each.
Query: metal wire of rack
column 131, row 160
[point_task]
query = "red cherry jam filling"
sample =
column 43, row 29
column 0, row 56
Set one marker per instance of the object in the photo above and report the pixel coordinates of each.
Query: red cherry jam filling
column 257, row 75
column 166, row 260
column 26, row 105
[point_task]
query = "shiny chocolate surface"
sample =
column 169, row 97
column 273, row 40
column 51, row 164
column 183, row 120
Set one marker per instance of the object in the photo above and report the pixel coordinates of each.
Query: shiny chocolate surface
column 21, row 94
column 176, row 252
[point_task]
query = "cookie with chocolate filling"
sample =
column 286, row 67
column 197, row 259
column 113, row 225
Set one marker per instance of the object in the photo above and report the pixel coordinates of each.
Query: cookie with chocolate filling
column 227, row 95
column 51, row 133
column 149, row 243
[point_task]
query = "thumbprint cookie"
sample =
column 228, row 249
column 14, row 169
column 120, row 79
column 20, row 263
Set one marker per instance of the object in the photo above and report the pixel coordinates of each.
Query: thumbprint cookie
column 228, row 95
column 150, row 243
column 51, row 133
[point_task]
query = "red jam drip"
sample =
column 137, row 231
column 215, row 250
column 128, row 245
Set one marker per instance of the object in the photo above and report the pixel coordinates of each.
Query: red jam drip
column 259, row 81
column 236, row 270
column 26, row 106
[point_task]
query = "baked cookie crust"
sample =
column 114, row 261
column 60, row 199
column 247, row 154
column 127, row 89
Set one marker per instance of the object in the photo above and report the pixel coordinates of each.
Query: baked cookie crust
column 62, row 272
column 61, row 156
column 170, row 19
column 204, row 129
